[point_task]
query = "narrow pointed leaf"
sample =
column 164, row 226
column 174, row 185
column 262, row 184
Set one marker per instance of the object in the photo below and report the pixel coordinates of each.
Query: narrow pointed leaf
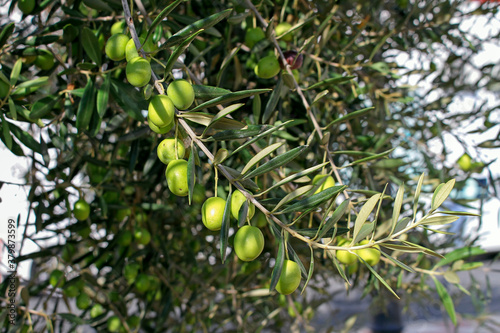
column 446, row 299
column 258, row 137
column 439, row 220
column 91, row 45
column 167, row 10
column 278, row 266
column 370, row 158
column 223, row 113
column 194, row 27
column 16, row 70
column 242, row 214
column 311, row 270
column 292, row 195
column 370, row 268
column 459, row 254
column 33, row 84
column 349, row 116
column 12, row 109
column 340, row 269
column 224, row 231
column 86, row 107
column 336, row 216
column 417, row 194
column 25, row 138
column 260, row 156
column 230, row 98
column 398, row 203
column 332, row 81
column 208, row 92
column 403, row 248
column 243, row 133
column 364, row 213
column 43, row 106
column 191, row 172
column 365, row 230
column 294, row 177
column 220, row 156
column 103, row 96
column 247, row 183
column 397, row 262
column 441, row 194
column 276, row 162
column 314, row 200
column 273, row 101
column 7, row 138
column 458, row 213
column 178, row 51
column 206, row 118
column 226, row 62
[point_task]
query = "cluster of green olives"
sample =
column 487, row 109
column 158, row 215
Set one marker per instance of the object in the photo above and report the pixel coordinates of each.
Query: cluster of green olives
column 119, row 46
column 171, row 151
column 370, row 255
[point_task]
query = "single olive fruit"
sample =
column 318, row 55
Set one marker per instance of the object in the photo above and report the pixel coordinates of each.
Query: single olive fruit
column 281, row 30
column 142, row 236
column 237, row 200
column 133, row 321
column 131, row 51
column 326, row 183
column 161, row 110
column 138, row 72
column 56, row 278
column 44, row 60
column 289, row 279
column 142, row 283
column 370, row 255
column 115, row 47
column 181, row 93
column 253, row 36
column 212, row 213
column 118, row 27
column 114, row 324
column 199, row 193
column 176, row 174
column 4, row 89
column 83, row 301
column 166, row 150
column 345, row 257
column 81, row 210
column 29, row 55
column 259, row 220
column 160, row 130
column 353, row 268
column 96, row 311
column 465, row 162
column 248, row 243
column 26, row 6
column 267, row 67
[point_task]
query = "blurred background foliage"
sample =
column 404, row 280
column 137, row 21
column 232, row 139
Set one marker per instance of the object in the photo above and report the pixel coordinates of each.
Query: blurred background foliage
column 405, row 63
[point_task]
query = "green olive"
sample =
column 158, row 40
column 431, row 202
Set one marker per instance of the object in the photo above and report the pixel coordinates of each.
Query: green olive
column 26, row 6
column 176, row 175
column 81, row 210
column 181, row 93
column 166, row 150
column 281, row 29
column 289, row 279
column 212, row 213
column 161, row 110
column 44, row 60
column 160, row 130
column 237, row 200
column 115, row 47
column 138, row 72
column 253, row 36
column 118, row 27
column 345, row 257
column 327, row 183
column 267, row 67
column 370, row 255
column 248, row 243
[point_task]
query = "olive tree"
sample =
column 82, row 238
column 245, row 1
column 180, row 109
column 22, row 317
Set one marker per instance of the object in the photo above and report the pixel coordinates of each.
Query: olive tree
column 286, row 120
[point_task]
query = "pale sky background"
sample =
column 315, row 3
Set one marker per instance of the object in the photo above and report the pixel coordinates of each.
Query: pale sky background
column 13, row 168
